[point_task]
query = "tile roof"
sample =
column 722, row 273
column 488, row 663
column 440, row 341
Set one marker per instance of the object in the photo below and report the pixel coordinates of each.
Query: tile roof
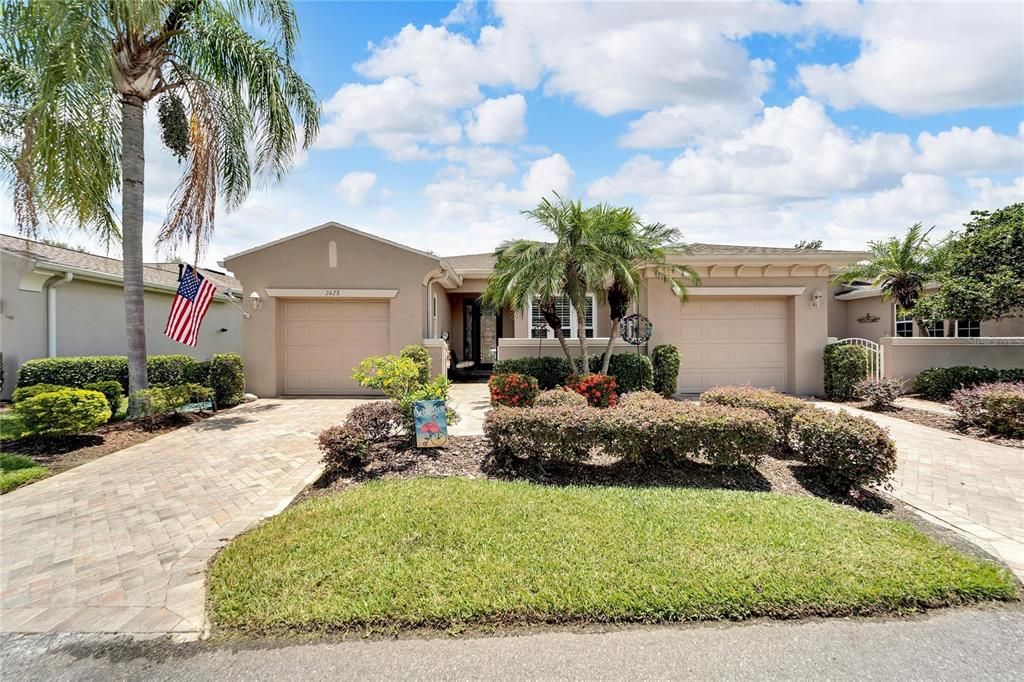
column 485, row 261
column 165, row 274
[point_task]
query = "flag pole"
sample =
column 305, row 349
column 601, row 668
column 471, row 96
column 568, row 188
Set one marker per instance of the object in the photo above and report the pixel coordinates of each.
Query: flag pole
column 227, row 294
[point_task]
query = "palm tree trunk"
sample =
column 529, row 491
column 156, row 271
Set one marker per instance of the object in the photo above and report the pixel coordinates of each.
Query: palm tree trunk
column 581, row 332
column 921, row 327
column 565, row 348
column 133, row 167
column 611, row 342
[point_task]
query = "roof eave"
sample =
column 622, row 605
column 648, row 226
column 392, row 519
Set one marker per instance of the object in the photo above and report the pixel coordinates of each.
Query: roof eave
column 330, row 223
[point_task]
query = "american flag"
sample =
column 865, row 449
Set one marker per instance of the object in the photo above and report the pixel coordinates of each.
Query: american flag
column 189, row 307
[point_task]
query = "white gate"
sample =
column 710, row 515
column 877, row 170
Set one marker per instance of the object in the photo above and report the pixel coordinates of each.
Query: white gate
column 876, row 370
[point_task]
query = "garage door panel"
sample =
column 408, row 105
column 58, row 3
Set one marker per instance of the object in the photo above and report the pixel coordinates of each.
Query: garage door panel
column 325, row 340
column 733, row 341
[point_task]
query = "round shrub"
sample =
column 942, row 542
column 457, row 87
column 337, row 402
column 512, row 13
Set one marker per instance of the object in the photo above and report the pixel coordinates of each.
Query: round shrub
column 642, row 400
column 111, row 390
column 881, row 393
column 600, row 390
column 560, row 397
column 378, row 420
column 780, row 407
column 558, row 434
column 26, row 392
column 549, row 372
column 343, row 448
column 421, row 356
column 845, row 366
column 848, row 451
column 632, row 372
column 512, row 390
column 665, row 359
column 64, row 412
column 997, row 408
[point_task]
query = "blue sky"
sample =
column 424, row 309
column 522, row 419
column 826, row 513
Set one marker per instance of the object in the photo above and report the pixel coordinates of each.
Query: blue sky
column 752, row 123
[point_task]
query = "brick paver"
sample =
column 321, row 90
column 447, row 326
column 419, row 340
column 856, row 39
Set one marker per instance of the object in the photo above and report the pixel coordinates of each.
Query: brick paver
column 971, row 485
column 121, row 544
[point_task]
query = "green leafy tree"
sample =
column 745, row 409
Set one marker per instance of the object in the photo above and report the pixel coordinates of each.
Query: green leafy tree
column 639, row 247
column 809, row 244
column 900, row 267
column 577, row 261
column 983, row 272
column 75, row 79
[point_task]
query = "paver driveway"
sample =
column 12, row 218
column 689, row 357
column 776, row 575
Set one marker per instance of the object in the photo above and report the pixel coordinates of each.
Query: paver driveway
column 121, row 544
column 974, row 486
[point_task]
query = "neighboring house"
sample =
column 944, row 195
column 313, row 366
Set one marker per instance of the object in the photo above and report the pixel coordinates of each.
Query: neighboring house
column 862, row 312
column 62, row 302
column 324, row 299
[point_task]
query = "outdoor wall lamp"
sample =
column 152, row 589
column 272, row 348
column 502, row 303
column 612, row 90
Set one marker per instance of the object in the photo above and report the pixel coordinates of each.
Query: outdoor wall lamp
column 255, row 301
column 816, row 298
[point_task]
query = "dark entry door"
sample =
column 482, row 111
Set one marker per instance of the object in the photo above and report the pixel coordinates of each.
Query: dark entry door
column 482, row 326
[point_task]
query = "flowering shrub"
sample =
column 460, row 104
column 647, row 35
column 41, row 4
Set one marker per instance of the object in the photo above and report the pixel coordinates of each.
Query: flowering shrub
column 421, row 356
column 393, row 375
column 378, row 420
column 343, row 447
column 561, row 434
column 512, row 390
column 781, row 408
column 998, row 407
column 559, row 397
column 632, row 372
column 598, row 389
column 881, row 393
column 848, row 451
column 669, row 431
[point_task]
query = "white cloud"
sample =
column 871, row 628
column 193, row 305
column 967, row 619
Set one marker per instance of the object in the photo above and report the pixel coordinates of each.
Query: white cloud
column 484, row 162
column 686, row 124
column 921, row 58
column 498, row 121
column 356, row 186
column 464, row 12
column 963, row 150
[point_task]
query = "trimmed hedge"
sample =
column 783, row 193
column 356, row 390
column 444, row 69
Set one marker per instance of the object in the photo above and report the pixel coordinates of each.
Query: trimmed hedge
column 632, row 372
column 74, row 372
column 845, row 366
column 227, row 378
column 997, row 408
column 665, row 360
column 343, row 447
column 560, row 397
column 549, row 372
column 848, row 451
column 512, row 390
column 26, row 392
column 781, row 408
column 557, row 434
column 111, row 390
column 63, row 412
column 939, row 383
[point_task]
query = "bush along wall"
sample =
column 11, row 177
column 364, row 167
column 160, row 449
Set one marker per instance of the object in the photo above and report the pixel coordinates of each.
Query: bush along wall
column 665, row 360
column 549, row 372
column 845, row 367
column 939, row 383
column 632, row 372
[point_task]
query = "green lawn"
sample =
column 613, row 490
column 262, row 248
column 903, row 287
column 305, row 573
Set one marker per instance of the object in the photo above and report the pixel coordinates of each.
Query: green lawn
column 11, row 427
column 17, row 470
column 446, row 551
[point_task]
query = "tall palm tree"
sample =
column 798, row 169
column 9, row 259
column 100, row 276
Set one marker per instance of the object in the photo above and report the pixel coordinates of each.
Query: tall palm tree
column 75, row 79
column 572, row 265
column 900, row 267
column 640, row 247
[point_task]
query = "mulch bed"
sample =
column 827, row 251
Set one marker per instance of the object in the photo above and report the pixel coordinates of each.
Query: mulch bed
column 60, row 453
column 469, row 456
column 942, row 422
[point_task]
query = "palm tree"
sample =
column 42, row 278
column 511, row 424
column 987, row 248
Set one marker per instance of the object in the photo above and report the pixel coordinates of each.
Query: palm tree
column 639, row 247
column 75, row 78
column 572, row 265
column 900, row 267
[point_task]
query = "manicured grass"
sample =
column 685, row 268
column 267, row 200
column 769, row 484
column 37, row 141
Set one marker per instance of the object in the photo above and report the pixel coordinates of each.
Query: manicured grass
column 17, row 470
column 445, row 551
column 11, row 426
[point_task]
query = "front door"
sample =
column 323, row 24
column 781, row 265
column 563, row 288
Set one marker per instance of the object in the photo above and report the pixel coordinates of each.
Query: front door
column 482, row 325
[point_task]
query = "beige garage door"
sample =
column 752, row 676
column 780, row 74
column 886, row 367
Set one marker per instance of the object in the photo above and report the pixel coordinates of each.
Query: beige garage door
column 324, row 340
column 733, row 341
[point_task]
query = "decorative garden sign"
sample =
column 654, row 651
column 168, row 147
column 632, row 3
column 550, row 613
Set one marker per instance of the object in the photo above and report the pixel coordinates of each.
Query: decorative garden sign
column 431, row 423
column 636, row 329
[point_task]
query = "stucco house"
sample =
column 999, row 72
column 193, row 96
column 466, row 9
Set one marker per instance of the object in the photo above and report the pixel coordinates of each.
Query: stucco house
column 324, row 299
column 62, row 302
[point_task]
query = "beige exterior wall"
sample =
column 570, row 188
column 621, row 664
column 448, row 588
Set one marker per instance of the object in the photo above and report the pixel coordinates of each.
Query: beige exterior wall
column 550, row 348
column 844, row 320
column 303, row 263
column 807, row 326
column 905, row 358
column 1008, row 326
column 90, row 321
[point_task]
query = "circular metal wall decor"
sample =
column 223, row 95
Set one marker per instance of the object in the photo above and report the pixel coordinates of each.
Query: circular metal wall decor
column 636, row 329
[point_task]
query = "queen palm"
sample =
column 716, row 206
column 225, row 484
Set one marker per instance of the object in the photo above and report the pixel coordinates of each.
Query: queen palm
column 640, row 247
column 574, row 263
column 75, row 79
column 900, row 267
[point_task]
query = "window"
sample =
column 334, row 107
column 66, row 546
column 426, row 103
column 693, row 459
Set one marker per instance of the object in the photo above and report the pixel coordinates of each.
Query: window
column 904, row 323
column 967, row 328
column 538, row 329
column 935, row 327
